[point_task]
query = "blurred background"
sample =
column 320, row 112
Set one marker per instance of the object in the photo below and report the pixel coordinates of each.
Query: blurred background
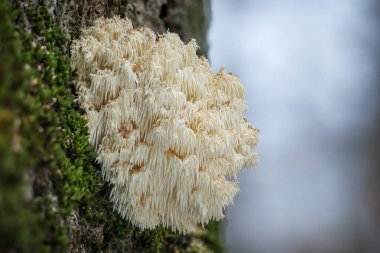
column 311, row 72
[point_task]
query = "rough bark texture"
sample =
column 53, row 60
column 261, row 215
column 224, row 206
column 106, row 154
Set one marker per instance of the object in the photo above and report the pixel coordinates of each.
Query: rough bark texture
column 188, row 18
column 52, row 196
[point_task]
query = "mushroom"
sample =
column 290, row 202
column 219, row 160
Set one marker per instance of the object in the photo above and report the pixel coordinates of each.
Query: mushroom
column 169, row 133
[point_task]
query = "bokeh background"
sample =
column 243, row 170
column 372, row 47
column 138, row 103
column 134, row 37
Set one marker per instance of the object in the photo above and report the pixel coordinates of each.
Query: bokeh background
column 311, row 72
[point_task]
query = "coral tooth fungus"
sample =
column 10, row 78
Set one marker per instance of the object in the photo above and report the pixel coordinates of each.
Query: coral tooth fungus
column 170, row 134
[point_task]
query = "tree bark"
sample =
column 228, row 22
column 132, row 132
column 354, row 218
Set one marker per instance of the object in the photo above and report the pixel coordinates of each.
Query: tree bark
column 52, row 196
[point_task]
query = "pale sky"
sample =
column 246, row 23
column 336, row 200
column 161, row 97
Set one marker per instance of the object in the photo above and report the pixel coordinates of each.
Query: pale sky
column 308, row 71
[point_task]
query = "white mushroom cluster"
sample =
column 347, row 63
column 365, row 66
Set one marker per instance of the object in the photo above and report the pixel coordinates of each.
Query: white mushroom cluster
column 170, row 134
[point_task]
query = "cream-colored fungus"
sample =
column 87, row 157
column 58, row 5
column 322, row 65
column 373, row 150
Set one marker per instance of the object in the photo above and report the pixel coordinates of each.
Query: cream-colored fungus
column 170, row 134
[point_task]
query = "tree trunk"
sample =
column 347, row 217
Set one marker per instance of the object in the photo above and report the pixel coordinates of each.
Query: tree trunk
column 52, row 196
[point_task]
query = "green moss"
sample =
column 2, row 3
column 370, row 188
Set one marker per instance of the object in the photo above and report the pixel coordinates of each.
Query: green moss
column 26, row 224
column 63, row 205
